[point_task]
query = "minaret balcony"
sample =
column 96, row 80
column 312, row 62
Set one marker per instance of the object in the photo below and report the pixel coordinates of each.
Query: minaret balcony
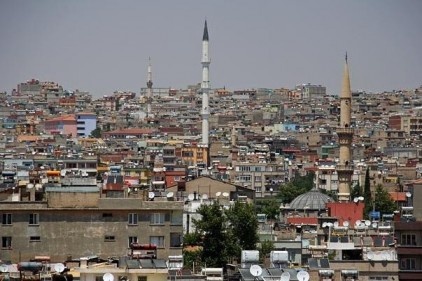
column 344, row 131
column 344, row 169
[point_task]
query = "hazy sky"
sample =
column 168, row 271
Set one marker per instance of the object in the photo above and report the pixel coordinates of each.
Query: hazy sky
column 101, row 45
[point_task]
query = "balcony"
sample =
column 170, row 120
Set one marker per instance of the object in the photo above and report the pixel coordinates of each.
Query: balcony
column 348, row 131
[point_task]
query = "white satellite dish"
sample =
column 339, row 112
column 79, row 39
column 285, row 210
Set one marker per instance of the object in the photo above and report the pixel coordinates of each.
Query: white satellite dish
column 356, row 199
column 4, row 268
column 62, row 173
column 285, row 276
column 361, row 198
column 225, row 194
column 370, row 256
column 191, row 196
column 29, row 186
column 59, row 267
column 324, row 224
column 408, row 194
column 374, row 225
column 108, row 277
column 255, row 270
column 151, row 195
column 218, row 194
column 336, row 224
column 346, row 223
column 302, row 275
column 204, row 196
column 170, row 194
column 38, row 186
column 367, row 223
column 357, row 222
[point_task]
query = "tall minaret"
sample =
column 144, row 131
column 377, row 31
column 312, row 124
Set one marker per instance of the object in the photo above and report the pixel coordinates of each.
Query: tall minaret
column 345, row 138
column 205, row 87
column 149, row 90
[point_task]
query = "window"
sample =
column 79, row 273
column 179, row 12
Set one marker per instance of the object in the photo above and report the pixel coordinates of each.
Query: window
column 176, row 218
column 33, row 219
column 408, row 263
column 408, row 239
column 133, row 219
column 142, row 278
column 157, row 218
column 109, row 238
column 107, row 215
column 7, row 219
column 132, row 239
column 34, row 238
column 157, row 240
column 6, row 242
column 176, row 240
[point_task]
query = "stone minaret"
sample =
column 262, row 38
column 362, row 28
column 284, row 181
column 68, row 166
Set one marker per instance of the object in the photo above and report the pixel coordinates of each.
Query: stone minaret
column 205, row 87
column 149, row 89
column 345, row 138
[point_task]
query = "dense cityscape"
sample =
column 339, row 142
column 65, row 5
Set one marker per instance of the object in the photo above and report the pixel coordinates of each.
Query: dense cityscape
column 209, row 183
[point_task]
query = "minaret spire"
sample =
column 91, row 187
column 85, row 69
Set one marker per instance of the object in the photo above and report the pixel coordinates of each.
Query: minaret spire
column 205, row 87
column 205, row 36
column 149, row 88
column 345, row 137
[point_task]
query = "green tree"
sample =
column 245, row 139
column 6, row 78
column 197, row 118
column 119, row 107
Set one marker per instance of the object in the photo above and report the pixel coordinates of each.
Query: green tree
column 96, row 133
column 270, row 207
column 265, row 249
column 223, row 233
column 299, row 185
column 367, row 194
column 383, row 201
column 356, row 191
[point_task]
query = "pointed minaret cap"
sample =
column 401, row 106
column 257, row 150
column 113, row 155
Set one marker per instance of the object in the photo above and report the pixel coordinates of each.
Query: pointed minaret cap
column 345, row 88
column 205, row 36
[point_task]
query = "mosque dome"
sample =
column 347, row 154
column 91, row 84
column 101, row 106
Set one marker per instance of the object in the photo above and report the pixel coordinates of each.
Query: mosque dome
column 312, row 200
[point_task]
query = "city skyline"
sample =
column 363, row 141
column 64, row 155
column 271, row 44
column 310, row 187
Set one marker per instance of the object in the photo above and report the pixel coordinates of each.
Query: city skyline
column 104, row 46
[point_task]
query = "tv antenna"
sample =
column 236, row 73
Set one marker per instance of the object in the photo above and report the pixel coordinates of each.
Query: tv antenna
column 59, row 267
column 285, row 276
column 302, row 275
column 255, row 270
column 108, row 277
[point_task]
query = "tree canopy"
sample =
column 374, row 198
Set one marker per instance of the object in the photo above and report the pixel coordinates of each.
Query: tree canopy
column 296, row 187
column 224, row 233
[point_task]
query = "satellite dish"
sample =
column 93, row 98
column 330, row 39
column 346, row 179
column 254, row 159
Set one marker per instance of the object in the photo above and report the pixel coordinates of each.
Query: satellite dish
column 170, row 194
column 204, row 196
column 108, row 277
column 285, row 276
column 4, row 268
column 29, row 186
column 357, row 222
column 151, row 195
column 59, row 267
column 62, row 173
column 324, row 224
column 408, row 194
column 367, row 223
column 218, row 194
column 302, row 275
column 374, row 225
column 191, row 196
column 346, row 223
column 336, row 224
column 370, row 256
column 225, row 194
column 361, row 198
column 255, row 270
column 356, row 199
column 38, row 186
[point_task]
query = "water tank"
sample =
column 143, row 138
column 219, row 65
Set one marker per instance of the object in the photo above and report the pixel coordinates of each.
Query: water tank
column 279, row 256
column 249, row 256
column 30, row 266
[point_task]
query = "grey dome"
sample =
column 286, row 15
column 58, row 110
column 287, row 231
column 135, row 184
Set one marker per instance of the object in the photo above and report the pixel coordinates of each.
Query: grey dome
column 312, row 200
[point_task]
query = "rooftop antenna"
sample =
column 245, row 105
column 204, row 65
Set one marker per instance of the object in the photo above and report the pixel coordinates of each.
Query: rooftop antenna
column 59, row 267
column 285, row 276
column 108, row 277
column 255, row 270
column 302, row 275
